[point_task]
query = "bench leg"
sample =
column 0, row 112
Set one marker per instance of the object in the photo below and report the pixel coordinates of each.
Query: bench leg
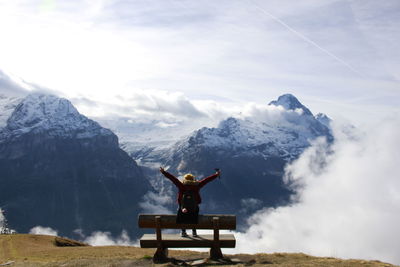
column 161, row 255
column 216, row 253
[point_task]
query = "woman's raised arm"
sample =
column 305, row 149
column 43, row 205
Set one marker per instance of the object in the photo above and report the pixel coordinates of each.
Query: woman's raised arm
column 171, row 177
column 208, row 179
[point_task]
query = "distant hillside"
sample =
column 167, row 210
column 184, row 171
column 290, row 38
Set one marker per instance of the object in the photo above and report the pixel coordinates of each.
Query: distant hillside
column 40, row 250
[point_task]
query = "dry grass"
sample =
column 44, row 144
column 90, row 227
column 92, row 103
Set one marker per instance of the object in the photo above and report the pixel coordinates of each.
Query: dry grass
column 39, row 250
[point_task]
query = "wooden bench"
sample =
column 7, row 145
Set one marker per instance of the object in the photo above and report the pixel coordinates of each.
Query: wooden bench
column 164, row 241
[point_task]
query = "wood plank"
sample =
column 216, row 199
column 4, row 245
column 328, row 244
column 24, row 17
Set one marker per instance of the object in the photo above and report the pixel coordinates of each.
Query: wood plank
column 158, row 231
column 176, row 241
column 226, row 221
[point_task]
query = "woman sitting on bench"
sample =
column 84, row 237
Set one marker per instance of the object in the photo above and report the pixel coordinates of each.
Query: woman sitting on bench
column 189, row 197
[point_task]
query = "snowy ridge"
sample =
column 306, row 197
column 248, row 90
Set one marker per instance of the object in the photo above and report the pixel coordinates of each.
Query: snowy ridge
column 7, row 106
column 53, row 115
column 285, row 136
column 249, row 137
column 234, row 133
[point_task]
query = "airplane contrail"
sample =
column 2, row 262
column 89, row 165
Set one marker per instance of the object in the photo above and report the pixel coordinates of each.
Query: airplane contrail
column 308, row 40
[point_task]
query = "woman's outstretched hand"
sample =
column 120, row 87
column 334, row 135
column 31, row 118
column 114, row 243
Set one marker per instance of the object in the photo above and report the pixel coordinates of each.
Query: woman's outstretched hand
column 162, row 169
column 218, row 171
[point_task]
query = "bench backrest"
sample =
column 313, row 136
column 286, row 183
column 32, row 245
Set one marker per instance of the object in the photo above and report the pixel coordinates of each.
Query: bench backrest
column 226, row 222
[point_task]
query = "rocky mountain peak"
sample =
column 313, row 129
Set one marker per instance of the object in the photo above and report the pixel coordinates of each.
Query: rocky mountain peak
column 290, row 102
column 229, row 123
column 322, row 118
column 38, row 108
column 54, row 115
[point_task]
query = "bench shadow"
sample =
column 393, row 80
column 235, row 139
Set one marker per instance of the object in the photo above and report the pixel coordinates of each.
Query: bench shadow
column 208, row 262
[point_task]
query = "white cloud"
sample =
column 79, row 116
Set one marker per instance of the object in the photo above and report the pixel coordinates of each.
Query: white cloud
column 348, row 200
column 224, row 49
column 12, row 85
column 105, row 239
column 141, row 105
column 40, row 230
column 268, row 113
column 3, row 224
column 140, row 116
column 250, row 205
column 1, row 219
column 156, row 203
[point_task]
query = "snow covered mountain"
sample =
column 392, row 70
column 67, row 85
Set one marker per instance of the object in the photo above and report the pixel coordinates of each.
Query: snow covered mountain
column 251, row 150
column 286, row 132
column 38, row 113
column 60, row 169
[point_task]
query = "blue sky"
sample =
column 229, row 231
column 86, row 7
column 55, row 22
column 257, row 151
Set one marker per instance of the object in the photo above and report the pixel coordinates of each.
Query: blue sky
column 339, row 57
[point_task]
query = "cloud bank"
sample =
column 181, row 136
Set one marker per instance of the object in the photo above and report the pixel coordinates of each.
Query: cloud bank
column 156, row 203
column 40, row 230
column 151, row 104
column 106, row 239
column 96, row 238
column 12, row 87
column 347, row 203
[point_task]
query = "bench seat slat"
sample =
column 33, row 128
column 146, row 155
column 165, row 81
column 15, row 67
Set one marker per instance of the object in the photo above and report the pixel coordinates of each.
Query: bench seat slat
column 176, row 241
column 226, row 222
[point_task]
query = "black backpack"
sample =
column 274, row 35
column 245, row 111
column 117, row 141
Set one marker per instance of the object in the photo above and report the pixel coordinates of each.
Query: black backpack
column 189, row 201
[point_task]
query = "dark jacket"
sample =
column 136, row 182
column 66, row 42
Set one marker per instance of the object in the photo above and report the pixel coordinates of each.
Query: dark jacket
column 195, row 187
